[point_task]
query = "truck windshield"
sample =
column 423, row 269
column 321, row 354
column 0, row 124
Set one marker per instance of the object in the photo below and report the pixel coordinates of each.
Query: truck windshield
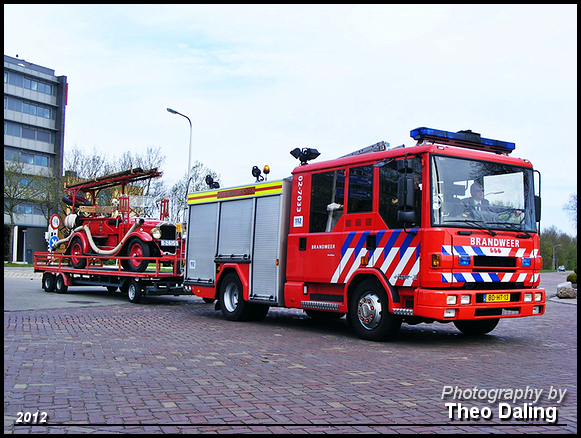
column 481, row 194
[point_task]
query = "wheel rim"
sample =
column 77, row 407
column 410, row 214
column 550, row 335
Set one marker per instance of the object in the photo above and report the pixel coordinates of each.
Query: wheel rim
column 131, row 292
column 231, row 297
column 76, row 251
column 136, row 251
column 369, row 310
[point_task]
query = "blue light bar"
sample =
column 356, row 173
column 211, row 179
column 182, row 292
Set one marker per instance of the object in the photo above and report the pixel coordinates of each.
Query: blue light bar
column 466, row 139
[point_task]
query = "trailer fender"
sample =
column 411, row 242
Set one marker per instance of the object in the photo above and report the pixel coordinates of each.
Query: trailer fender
column 365, row 273
column 67, row 279
column 241, row 270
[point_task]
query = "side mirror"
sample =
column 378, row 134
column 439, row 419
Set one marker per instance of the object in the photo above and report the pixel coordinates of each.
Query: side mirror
column 537, row 208
column 406, row 200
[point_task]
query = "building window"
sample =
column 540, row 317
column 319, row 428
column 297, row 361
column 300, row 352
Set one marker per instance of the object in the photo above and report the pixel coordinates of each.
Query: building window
column 35, row 158
column 28, row 133
column 15, row 104
column 13, row 78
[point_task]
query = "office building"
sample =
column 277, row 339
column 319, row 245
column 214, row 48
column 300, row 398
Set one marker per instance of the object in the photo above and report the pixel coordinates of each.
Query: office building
column 34, row 122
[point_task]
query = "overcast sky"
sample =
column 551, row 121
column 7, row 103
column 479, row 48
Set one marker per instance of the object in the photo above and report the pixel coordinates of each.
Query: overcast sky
column 260, row 80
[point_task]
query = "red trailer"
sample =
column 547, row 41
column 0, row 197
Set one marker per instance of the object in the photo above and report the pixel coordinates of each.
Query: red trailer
column 59, row 274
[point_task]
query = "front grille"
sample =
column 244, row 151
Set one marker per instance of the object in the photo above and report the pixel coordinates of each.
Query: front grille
column 494, row 262
column 168, row 231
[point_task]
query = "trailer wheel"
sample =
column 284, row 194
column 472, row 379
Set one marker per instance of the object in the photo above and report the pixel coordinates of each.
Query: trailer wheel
column 476, row 328
column 59, row 284
column 48, row 281
column 137, row 248
column 77, row 261
column 134, row 291
column 231, row 299
column 369, row 315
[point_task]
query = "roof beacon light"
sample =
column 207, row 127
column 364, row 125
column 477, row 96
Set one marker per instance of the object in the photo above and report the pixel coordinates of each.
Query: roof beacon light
column 465, row 139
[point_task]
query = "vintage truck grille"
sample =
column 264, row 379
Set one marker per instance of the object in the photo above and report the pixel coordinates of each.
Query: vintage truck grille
column 168, row 231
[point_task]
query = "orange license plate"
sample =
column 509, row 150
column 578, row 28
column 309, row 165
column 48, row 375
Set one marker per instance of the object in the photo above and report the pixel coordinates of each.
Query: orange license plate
column 496, row 298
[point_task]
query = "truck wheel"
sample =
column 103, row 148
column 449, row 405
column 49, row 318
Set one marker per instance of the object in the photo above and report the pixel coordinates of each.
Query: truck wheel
column 137, row 248
column 59, row 284
column 231, row 299
column 77, row 261
column 134, row 291
column 48, row 281
column 369, row 315
column 476, row 328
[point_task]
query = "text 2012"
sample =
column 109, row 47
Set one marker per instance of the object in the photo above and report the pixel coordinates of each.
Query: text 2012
column 31, row 417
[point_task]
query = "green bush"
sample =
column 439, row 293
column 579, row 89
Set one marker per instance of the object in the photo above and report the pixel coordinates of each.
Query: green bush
column 572, row 278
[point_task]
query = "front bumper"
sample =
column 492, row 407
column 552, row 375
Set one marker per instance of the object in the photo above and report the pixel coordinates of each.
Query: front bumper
column 471, row 304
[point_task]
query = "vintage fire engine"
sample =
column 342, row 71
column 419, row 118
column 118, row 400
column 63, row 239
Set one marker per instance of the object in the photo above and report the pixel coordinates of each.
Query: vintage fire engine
column 382, row 235
column 112, row 230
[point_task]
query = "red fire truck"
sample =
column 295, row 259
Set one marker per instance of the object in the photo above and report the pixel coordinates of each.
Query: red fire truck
column 146, row 252
column 382, row 235
column 114, row 230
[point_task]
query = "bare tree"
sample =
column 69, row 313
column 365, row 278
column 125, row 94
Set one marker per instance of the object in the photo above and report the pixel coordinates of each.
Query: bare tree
column 571, row 208
column 50, row 192
column 20, row 187
column 177, row 194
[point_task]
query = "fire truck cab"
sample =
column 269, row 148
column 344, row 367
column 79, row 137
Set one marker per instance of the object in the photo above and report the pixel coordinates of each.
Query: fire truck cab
column 445, row 231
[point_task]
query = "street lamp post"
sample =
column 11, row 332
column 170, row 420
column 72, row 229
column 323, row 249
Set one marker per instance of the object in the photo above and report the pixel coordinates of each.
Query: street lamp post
column 189, row 150
column 554, row 259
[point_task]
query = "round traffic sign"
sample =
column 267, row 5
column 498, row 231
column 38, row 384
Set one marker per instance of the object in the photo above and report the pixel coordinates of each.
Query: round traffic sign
column 55, row 221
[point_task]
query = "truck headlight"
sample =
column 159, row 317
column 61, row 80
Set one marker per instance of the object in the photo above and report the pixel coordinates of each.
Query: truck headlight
column 155, row 233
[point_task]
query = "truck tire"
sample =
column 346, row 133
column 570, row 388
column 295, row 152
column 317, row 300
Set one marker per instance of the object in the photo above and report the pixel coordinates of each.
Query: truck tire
column 134, row 291
column 231, row 299
column 59, row 284
column 77, row 251
column 369, row 315
column 477, row 328
column 48, row 280
column 137, row 248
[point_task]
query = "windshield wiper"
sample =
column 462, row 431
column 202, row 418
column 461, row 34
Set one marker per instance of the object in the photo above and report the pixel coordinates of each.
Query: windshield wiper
column 514, row 227
column 476, row 224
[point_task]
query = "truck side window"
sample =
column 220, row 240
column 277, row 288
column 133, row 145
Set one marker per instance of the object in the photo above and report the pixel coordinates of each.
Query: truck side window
column 327, row 199
column 388, row 177
column 360, row 195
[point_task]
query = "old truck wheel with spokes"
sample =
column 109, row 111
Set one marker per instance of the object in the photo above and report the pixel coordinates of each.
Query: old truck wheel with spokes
column 369, row 312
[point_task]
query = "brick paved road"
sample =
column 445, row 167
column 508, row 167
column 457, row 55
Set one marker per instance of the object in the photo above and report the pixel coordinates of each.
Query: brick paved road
column 172, row 366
